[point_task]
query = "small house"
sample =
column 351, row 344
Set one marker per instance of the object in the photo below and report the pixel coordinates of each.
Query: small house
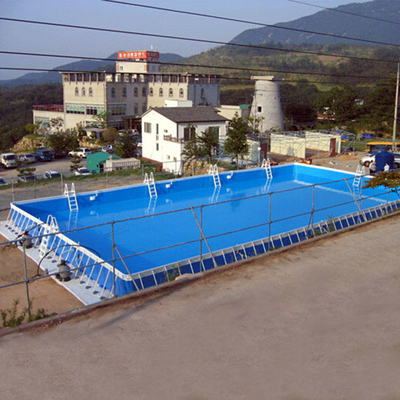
column 96, row 161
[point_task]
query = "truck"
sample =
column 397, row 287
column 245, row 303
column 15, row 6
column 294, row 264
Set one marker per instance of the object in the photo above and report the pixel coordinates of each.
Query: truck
column 8, row 160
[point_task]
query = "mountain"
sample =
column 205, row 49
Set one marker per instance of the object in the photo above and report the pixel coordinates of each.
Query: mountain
column 37, row 78
column 340, row 21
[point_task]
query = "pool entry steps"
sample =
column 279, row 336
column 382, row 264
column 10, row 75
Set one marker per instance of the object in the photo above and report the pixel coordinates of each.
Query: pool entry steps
column 120, row 271
column 149, row 181
column 71, row 195
column 215, row 174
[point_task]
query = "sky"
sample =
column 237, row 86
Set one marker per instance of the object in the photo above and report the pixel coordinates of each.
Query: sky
column 33, row 38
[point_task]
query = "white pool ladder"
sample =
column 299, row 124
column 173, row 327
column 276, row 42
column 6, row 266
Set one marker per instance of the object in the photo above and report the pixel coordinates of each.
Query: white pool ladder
column 51, row 226
column 71, row 195
column 213, row 170
column 267, row 165
column 151, row 184
column 359, row 175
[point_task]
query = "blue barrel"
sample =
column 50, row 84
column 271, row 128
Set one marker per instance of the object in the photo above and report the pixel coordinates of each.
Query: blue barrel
column 382, row 158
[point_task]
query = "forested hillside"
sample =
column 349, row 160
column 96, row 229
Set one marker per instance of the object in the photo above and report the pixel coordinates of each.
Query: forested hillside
column 16, row 109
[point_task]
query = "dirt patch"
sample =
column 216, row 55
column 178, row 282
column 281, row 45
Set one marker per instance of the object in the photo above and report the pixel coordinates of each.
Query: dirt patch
column 45, row 293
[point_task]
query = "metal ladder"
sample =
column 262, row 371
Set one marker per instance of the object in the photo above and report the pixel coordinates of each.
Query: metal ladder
column 151, row 184
column 213, row 170
column 359, row 174
column 267, row 165
column 71, row 195
column 51, row 226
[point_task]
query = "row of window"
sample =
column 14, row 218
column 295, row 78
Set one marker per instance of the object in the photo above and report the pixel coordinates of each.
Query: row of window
column 82, row 109
column 151, row 92
column 135, row 92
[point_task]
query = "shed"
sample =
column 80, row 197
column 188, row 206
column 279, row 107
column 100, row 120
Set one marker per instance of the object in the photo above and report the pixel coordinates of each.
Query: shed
column 382, row 158
column 96, row 161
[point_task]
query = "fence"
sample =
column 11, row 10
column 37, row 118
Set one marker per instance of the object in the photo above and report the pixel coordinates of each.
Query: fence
column 95, row 279
column 40, row 188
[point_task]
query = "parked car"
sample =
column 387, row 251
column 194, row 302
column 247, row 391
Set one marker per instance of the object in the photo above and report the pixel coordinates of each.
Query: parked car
column 58, row 154
column 51, row 175
column 8, row 160
column 82, row 152
column 44, row 155
column 25, row 178
column 369, row 158
column 108, row 148
column 3, row 182
column 82, row 172
column 367, row 135
column 27, row 158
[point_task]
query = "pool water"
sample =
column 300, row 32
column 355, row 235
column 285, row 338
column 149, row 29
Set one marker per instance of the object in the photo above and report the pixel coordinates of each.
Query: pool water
column 150, row 232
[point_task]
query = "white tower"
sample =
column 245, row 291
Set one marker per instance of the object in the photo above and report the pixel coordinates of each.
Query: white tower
column 267, row 103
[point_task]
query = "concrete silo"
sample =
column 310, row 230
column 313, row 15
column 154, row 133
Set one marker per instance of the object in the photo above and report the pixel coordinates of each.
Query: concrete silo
column 267, row 103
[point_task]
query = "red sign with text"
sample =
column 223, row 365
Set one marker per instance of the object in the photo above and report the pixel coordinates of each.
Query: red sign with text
column 144, row 55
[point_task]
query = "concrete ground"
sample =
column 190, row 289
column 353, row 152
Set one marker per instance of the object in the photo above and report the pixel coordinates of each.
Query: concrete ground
column 320, row 321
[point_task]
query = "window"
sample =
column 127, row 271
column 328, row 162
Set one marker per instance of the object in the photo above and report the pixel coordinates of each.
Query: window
column 171, row 93
column 144, row 92
column 151, row 92
column 136, row 108
column 259, row 109
column 161, row 92
column 157, row 129
column 181, row 94
column 157, row 147
column 188, row 132
column 124, row 92
column 113, row 92
column 83, row 92
column 135, row 92
column 90, row 92
column 76, row 92
column 144, row 108
column 147, row 127
column 94, row 109
column 118, row 109
column 214, row 130
column 72, row 108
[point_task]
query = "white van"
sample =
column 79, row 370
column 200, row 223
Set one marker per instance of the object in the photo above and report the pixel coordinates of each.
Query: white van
column 8, row 160
column 81, row 152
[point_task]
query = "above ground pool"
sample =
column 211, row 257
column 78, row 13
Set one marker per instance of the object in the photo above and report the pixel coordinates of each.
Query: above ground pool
column 189, row 224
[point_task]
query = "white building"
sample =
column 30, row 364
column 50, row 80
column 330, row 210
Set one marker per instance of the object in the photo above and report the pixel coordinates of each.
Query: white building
column 267, row 103
column 136, row 86
column 166, row 130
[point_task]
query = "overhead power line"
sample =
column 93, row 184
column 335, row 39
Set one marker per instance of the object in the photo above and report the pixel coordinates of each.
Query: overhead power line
column 190, row 39
column 346, row 12
column 191, row 65
column 331, row 35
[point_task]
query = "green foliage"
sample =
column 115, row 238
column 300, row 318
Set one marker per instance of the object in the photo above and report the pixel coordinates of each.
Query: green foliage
column 236, row 141
column 75, row 163
column 16, row 109
column 126, row 146
column 110, row 135
column 12, row 317
column 63, row 141
column 389, row 180
column 101, row 119
column 201, row 145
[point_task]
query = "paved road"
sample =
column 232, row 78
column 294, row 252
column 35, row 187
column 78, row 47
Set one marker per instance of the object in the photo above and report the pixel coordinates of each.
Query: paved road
column 321, row 321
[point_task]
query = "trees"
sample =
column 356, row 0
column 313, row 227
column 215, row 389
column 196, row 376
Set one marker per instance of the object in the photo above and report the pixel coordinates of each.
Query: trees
column 110, row 135
column 101, row 119
column 236, row 140
column 126, row 146
column 201, row 145
column 63, row 141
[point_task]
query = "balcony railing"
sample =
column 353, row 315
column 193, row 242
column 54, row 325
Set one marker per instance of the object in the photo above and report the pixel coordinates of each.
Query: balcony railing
column 169, row 138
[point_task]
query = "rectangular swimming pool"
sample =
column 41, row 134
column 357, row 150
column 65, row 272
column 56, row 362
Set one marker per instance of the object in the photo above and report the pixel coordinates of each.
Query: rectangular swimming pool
column 191, row 224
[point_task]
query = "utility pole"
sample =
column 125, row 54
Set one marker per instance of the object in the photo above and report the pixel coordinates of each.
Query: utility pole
column 395, row 110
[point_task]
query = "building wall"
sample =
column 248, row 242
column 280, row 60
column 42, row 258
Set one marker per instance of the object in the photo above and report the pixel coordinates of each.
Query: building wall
column 130, row 94
column 288, row 145
column 168, row 144
column 267, row 103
